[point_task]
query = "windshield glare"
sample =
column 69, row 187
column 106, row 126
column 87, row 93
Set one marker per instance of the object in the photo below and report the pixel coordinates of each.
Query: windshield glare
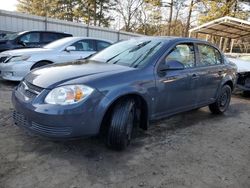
column 11, row 36
column 58, row 43
column 131, row 53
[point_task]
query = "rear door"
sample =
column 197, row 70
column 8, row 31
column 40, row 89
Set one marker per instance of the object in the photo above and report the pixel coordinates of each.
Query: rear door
column 209, row 72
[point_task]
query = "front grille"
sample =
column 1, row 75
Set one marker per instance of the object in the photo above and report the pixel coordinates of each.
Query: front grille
column 51, row 131
column 29, row 90
column 45, row 130
column 20, row 120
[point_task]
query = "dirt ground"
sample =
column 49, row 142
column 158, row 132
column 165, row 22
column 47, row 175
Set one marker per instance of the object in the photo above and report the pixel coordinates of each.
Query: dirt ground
column 193, row 149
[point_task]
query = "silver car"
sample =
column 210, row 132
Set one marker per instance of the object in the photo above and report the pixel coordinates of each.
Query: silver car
column 15, row 64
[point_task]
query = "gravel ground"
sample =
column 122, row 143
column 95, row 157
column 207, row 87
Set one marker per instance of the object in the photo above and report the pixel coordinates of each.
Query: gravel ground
column 193, row 149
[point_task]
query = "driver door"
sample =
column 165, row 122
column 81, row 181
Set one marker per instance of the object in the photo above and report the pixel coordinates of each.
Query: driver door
column 175, row 88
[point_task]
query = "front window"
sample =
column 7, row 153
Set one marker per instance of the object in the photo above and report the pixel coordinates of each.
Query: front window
column 84, row 45
column 183, row 53
column 30, row 38
column 131, row 53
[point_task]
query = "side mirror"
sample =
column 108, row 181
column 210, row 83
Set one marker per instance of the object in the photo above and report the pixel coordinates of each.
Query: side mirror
column 70, row 48
column 23, row 43
column 171, row 65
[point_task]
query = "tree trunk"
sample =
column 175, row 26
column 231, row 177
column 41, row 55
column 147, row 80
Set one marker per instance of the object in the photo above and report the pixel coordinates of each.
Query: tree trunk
column 189, row 17
column 170, row 17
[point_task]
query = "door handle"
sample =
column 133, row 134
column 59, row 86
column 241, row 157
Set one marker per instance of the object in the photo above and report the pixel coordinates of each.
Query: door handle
column 194, row 76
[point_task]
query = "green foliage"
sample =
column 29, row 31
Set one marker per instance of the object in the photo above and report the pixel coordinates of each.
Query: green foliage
column 213, row 9
column 94, row 12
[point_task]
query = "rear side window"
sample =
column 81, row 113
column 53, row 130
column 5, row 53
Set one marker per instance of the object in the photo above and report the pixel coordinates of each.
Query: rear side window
column 84, row 45
column 208, row 55
column 30, row 38
column 49, row 37
column 183, row 53
column 101, row 45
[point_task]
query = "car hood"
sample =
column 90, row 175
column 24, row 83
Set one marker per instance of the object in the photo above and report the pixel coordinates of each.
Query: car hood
column 54, row 75
column 242, row 66
column 25, row 51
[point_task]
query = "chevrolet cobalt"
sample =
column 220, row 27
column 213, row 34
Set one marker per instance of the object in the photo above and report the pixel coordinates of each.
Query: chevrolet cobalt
column 123, row 88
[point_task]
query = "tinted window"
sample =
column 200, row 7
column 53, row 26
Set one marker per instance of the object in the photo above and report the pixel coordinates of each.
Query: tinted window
column 30, row 38
column 183, row 53
column 49, row 37
column 84, row 45
column 101, row 45
column 208, row 55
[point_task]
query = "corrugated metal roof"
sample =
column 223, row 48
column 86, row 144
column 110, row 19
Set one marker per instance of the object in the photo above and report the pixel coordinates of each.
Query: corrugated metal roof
column 227, row 27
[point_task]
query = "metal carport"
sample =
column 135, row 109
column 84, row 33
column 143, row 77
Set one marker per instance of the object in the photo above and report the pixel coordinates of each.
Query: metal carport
column 225, row 27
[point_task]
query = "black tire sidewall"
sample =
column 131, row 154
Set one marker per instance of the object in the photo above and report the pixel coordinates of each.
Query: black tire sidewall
column 227, row 89
column 118, row 125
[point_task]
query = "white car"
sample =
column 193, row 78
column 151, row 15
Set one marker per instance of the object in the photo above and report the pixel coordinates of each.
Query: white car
column 242, row 62
column 15, row 64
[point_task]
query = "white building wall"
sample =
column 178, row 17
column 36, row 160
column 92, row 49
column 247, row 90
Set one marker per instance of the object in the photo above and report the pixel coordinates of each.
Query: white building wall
column 15, row 22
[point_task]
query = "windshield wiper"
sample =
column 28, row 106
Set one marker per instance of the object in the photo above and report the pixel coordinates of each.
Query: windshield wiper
column 134, row 64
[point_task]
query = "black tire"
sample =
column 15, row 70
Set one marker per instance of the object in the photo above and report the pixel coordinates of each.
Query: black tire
column 122, row 124
column 223, row 101
column 39, row 64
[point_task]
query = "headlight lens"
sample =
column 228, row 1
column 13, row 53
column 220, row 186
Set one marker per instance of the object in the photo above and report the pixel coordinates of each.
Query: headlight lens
column 69, row 94
column 18, row 58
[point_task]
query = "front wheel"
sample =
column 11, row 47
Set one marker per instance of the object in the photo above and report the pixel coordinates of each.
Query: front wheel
column 222, row 102
column 122, row 124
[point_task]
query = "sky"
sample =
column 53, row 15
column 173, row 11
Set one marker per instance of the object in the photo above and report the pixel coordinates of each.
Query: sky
column 8, row 5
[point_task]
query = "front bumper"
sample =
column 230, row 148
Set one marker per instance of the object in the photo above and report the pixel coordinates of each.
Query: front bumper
column 15, row 71
column 56, row 121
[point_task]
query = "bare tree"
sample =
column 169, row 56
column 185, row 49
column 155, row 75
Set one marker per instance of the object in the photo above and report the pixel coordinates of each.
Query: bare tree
column 128, row 10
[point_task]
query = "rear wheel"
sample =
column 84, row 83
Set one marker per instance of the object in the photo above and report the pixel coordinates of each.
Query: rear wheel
column 222, row 102
column 39, row 64
column 122, row 124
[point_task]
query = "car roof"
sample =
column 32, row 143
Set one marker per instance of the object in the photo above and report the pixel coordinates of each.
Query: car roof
column 43, row 31
column 91, row 38
column 173, row 39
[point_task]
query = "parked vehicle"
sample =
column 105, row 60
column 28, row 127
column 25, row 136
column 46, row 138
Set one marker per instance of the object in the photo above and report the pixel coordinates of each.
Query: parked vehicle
column 123, row 87
column 29, row 39
column 242, row 62
column 15, row 64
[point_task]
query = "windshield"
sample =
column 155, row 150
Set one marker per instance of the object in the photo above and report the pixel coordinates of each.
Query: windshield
column 131, row 53
column 11, row 36
column 58, row 43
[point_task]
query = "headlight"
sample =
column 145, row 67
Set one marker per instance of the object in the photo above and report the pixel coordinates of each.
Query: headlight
column 69, row 94
column 18, row 58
